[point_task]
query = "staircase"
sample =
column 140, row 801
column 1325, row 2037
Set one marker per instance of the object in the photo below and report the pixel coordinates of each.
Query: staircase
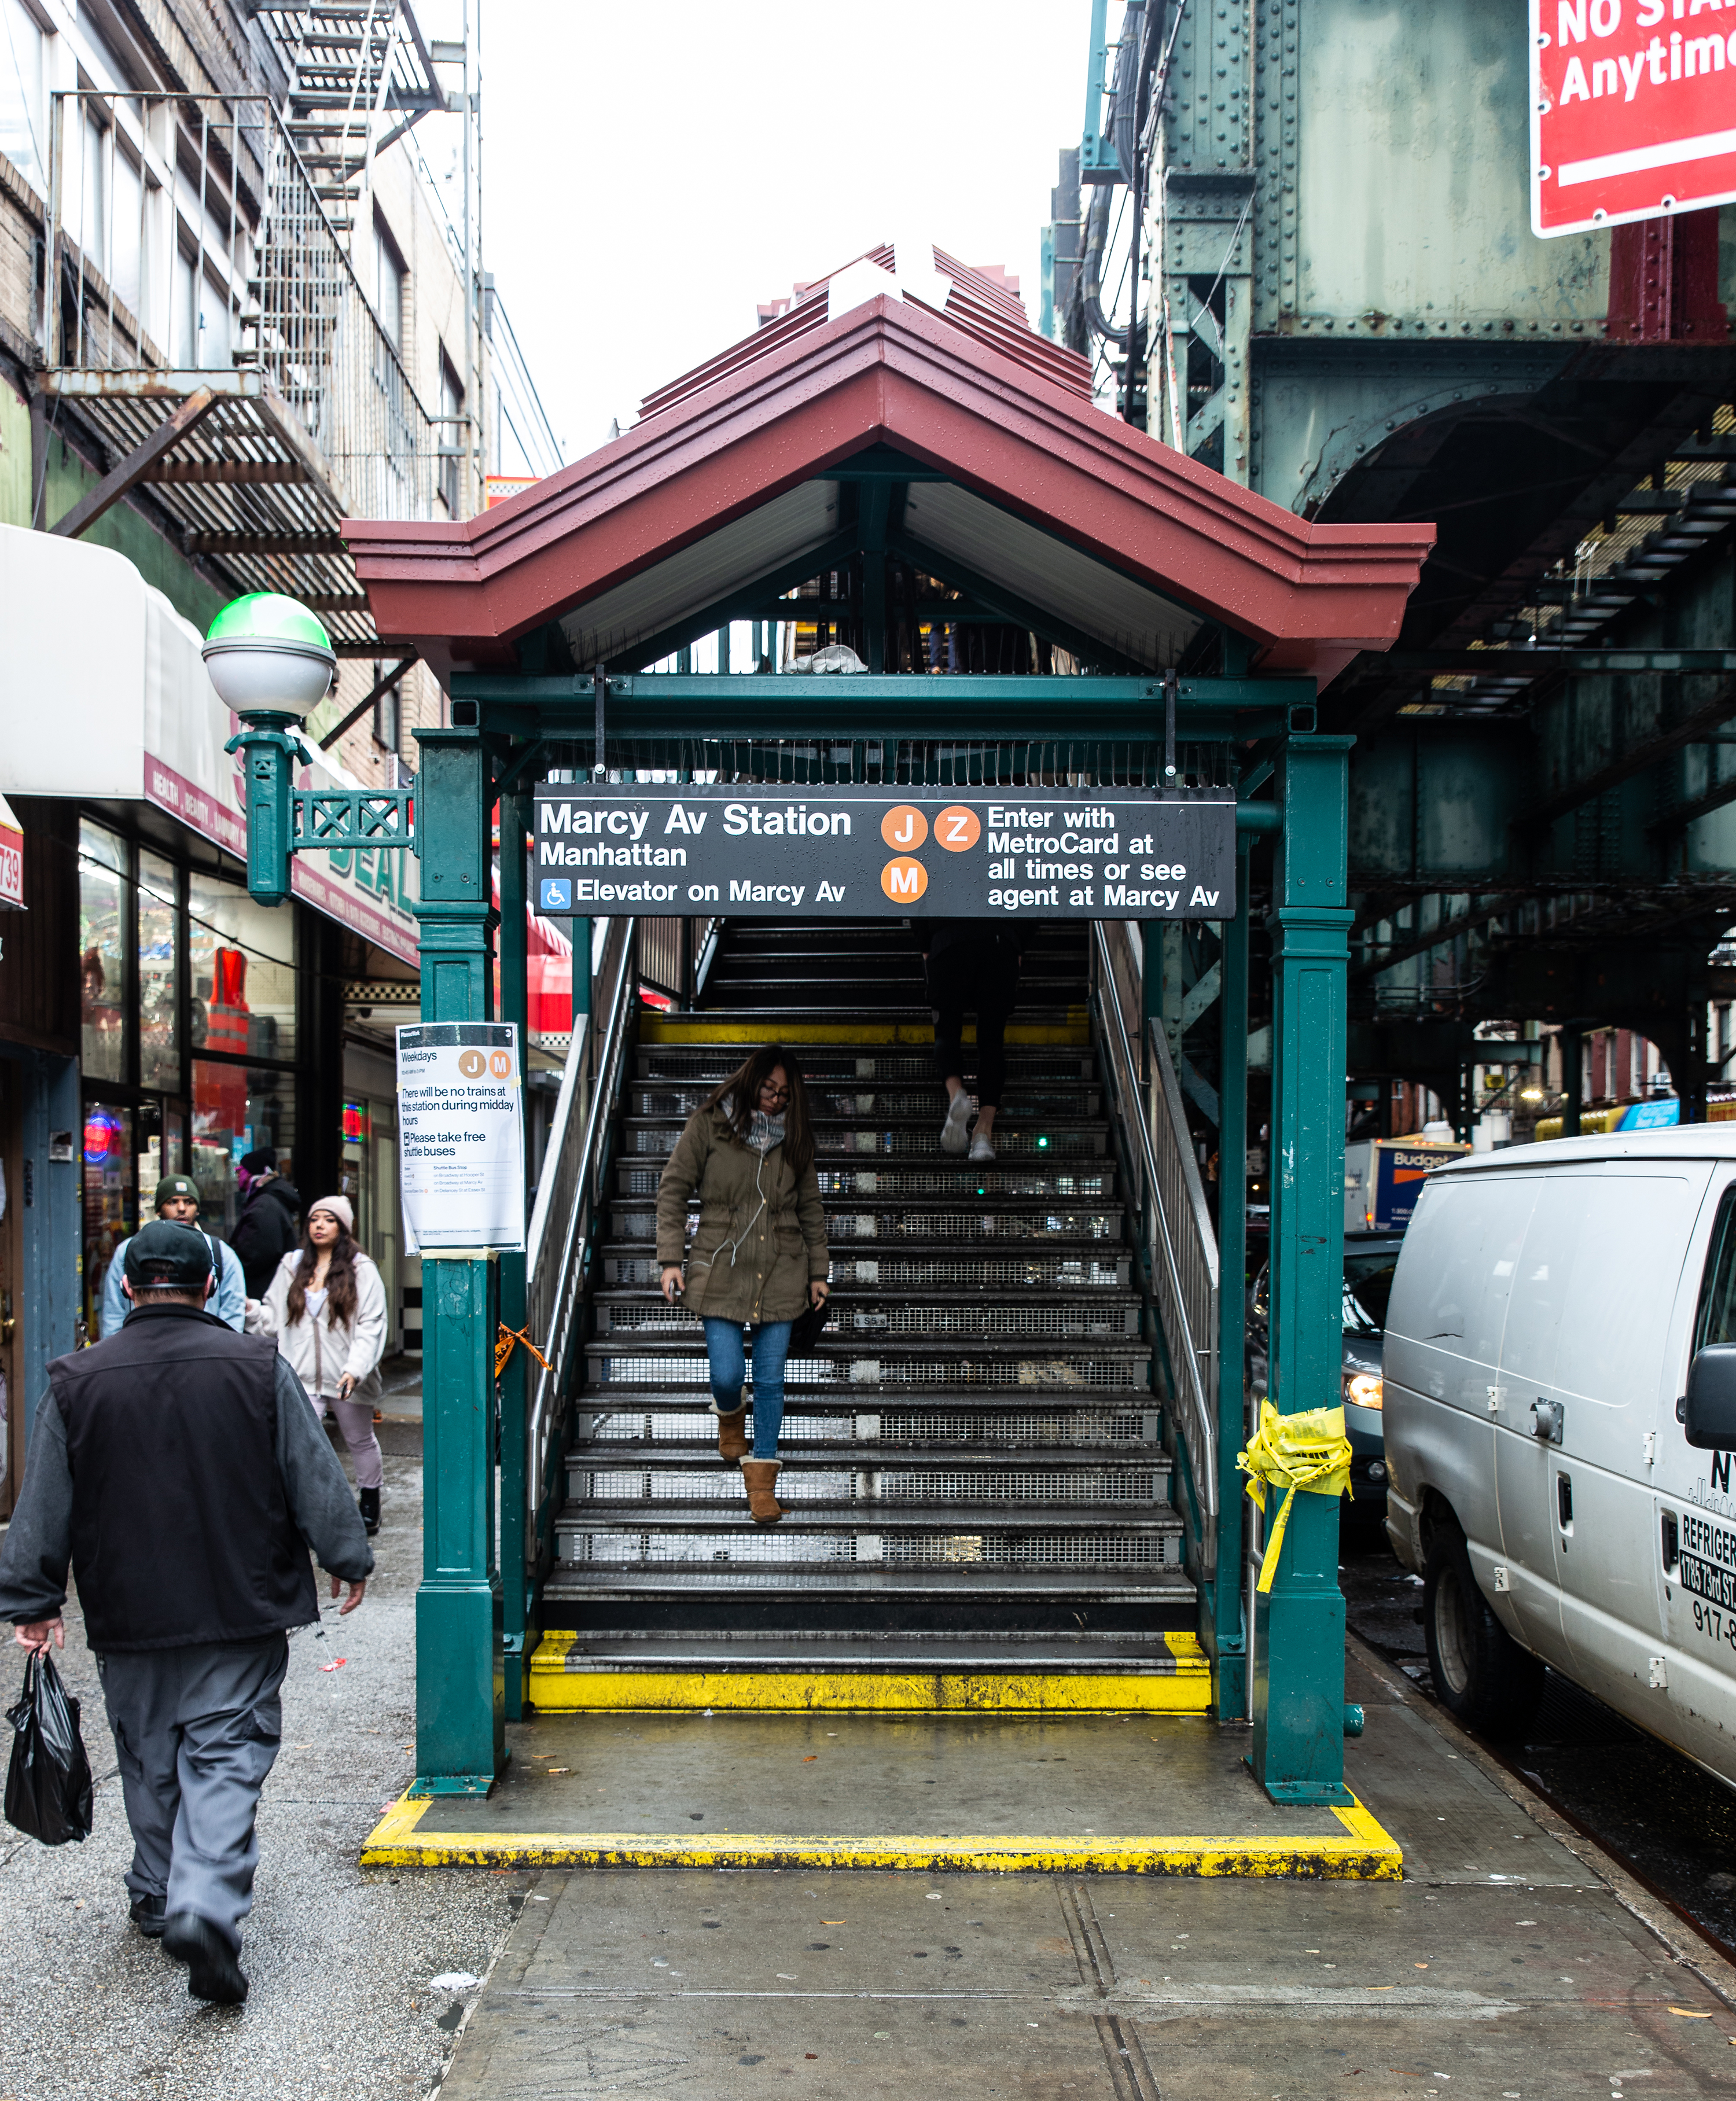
column 976, row 1491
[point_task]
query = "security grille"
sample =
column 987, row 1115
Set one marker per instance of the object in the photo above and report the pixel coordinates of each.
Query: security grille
column 956, row 1486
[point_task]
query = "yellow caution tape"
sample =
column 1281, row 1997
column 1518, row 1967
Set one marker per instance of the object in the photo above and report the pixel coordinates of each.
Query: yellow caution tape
column 507, row 1341
column 1308, row 1451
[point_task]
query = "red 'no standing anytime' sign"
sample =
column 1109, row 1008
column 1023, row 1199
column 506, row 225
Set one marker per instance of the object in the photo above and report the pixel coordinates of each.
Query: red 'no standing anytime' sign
column 1633, row 109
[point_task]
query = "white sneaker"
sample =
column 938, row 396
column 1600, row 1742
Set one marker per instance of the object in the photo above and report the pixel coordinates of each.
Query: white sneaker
column 981, row 1149
column 954, row 1133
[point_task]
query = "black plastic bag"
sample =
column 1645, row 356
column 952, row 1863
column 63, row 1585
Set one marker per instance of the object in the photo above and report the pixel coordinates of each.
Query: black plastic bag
column 48, row 1782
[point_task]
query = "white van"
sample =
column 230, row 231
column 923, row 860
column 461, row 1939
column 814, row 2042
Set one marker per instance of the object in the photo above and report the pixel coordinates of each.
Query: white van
column 1559, row 1370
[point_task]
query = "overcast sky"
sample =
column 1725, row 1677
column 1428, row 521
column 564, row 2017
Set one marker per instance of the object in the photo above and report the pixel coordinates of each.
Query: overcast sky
column 652, row 172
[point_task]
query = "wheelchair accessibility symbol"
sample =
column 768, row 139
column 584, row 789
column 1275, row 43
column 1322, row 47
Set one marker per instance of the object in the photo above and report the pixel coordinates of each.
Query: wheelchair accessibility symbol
column 557, row 896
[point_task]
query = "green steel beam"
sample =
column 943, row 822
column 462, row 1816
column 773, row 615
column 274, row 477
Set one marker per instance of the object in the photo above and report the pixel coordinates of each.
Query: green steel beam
column 1299, row 1650
column 460, row 1670
column 514, row 1386
column 1223, row 1624
column 1544, row 663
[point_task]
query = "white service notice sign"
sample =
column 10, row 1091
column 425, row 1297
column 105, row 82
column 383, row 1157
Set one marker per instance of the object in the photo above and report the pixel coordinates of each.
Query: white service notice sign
column 461, row 1135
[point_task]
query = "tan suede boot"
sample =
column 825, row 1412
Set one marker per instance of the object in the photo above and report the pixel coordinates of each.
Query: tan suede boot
column 732, row 1434
column 761, row 1477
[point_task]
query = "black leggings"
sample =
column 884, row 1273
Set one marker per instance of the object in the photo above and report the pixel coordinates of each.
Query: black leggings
column 992, row 1008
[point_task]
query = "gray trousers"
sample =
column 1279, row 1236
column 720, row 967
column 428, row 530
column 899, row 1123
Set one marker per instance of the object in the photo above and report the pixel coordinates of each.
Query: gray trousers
column 195, row 1732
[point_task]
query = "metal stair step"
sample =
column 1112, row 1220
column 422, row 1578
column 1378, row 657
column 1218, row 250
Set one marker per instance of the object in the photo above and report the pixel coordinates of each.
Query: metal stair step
column 600, row 1649
column 843, row 1587
column 942, row 1178
column 698, row 1456
column 889, row 1219
column 1061, row 1101
column 960, row 1318
column 1024, row 1414
column 912, row 1269
column 877, row 1063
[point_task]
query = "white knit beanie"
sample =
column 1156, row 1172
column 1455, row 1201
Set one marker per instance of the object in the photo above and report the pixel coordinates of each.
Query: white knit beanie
column 339, row 1209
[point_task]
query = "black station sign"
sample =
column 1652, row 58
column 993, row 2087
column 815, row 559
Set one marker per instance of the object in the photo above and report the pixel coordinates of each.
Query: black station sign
column 858, row 853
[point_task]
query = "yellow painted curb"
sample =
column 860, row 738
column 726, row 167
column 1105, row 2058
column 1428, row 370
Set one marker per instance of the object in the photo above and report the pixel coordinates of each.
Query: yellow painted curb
column 655, row 1027
column 408, row 1836
column 558, row 1686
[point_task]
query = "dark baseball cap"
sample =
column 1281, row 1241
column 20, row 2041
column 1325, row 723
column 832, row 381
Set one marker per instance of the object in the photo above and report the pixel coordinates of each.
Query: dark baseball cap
column 262, row 1158
column 165, row 1256
column 172, row 1186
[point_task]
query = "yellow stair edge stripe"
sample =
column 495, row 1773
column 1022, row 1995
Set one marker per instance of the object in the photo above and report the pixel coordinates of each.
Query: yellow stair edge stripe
column 408, row 1837
column 654, row 1028
column 862, row 1693
column 1184, row 1688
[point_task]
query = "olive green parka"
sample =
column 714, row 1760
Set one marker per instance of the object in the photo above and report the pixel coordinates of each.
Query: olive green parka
column 762, row 1232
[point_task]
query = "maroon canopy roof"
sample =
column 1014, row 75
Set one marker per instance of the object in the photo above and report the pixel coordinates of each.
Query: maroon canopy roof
column 723, row 483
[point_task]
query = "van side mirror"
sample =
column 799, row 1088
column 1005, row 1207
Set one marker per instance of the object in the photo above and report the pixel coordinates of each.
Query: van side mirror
column 1710, row 1415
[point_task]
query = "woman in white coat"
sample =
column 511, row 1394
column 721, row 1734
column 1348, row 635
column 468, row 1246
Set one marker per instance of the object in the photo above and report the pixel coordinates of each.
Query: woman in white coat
column 327, row 1306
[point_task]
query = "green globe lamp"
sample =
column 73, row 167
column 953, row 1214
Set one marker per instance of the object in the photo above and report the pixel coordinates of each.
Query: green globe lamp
column 272, row 661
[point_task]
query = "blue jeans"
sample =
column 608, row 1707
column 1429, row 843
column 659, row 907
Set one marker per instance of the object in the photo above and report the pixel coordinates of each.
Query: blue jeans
column 723, row 1341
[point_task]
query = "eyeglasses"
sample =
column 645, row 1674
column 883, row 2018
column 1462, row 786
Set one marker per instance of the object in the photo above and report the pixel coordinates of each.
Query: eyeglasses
column 768, row 1093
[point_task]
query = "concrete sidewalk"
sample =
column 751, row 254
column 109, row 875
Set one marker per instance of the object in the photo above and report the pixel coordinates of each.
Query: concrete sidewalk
column 340, row 1958
column 1511, row 1963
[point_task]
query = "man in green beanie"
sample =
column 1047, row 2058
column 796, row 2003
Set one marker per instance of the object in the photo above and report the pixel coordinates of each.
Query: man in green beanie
column 178, row 1200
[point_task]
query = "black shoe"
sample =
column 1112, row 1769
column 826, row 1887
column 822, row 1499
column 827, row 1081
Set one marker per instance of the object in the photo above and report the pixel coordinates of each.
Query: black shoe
column 212, row 1970
column 367, row 1501
column 147, row 1914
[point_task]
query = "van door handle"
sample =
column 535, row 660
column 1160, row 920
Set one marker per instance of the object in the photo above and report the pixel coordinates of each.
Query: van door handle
column 1671, row 1543
column 1564, row 1500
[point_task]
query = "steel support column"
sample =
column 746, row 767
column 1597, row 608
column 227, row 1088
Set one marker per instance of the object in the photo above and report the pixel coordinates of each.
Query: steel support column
column 460, row 1686
column 514, row 1384
column 1299, row 1669
column 1227, row 1633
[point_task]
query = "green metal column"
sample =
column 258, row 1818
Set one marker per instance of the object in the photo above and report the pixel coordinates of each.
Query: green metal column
column 515, row 820
column 1227, row 1634
column 1298, row 1659
column 460, row 1712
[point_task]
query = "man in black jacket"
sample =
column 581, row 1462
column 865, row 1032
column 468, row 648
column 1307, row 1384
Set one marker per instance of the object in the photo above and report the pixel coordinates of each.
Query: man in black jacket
column 265, row 1230
column 180, row 1469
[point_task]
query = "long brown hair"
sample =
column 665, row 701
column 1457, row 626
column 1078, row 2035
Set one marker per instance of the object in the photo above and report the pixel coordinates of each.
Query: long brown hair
column 340, row 1279
column 741, row 1091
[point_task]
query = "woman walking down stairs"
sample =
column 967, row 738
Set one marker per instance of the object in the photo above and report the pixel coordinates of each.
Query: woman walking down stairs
column 974, row 1488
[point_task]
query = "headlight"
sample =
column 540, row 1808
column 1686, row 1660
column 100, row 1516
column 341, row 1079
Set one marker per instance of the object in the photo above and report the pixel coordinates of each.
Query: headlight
column 1364, row 1388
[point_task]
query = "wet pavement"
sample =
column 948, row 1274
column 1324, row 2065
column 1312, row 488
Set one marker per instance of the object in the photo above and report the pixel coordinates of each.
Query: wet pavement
column 1511, row 1963
column 341, row 1959
column 1673, row 1824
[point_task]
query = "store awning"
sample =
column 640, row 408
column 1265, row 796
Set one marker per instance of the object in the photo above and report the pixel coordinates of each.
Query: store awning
column 104, row 696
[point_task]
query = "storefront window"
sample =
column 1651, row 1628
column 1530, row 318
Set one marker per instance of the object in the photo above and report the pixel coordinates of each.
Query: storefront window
column 235, row 1111
column 243, row 958
column 102, row 864
column 110, row 1205
column 159, row 1041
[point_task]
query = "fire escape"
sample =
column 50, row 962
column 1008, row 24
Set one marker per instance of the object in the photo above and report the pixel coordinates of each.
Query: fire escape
column 209, row 320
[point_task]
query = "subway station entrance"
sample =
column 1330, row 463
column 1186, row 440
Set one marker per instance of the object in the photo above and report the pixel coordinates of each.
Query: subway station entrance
column 1011, row 1463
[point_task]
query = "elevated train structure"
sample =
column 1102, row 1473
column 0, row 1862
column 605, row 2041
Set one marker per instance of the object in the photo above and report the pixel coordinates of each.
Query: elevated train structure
column 1324, row 208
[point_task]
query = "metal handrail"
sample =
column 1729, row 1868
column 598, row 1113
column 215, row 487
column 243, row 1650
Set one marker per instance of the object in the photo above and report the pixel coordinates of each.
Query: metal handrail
column 1170, row 1185
column 571, row 1190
